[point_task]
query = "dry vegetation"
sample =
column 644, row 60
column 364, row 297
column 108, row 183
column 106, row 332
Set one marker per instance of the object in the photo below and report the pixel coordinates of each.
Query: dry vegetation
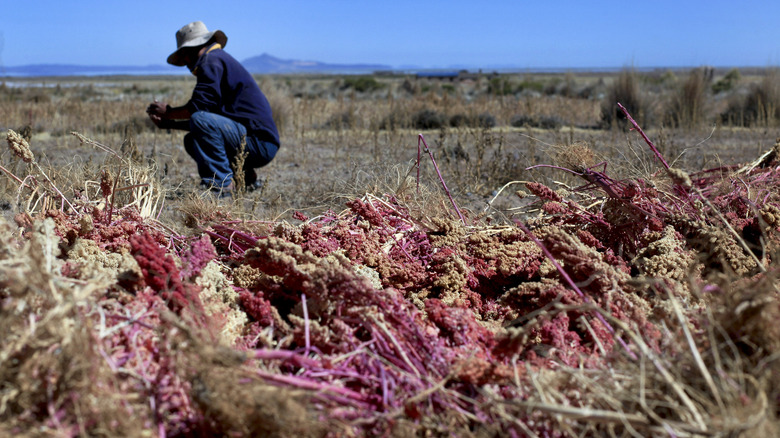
column 345, row 135
column 573, row 298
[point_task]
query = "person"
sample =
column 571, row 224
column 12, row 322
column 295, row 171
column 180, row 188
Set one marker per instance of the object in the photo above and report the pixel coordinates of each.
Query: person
column 226, row 109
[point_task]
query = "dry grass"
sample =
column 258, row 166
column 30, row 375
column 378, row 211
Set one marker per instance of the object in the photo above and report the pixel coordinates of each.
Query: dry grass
column 328, row 130
column 320, row 161
column 759, row 106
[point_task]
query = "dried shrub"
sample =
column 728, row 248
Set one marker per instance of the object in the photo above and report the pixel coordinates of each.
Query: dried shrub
column 522, row 120
column 688, row 105
column 624, row 90
column 761, row 107
column 438, row 310
column 362, row 84
column 562, row 86
column 486, row 120
column 543, row 122
column 483, row 120
column 281, row 108
column 428, row 119
column 530, row 86
column 727, row 82
column 397, row 119
column 343, row 120
column 460, row 120
column 500, row 86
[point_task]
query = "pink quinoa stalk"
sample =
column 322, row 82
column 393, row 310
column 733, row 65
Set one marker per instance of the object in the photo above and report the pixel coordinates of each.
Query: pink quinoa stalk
column 420, row 138
column 306, row 323
column 354, row 398
column 642, row 133
column 14, row 177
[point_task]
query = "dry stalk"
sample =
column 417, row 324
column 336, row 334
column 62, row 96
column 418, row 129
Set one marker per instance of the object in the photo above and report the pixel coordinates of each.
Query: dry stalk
column 695, row 352
column 490, row 203
column 239, row 176
column 667, row 376
column 146, row 194
column 600, row 415
column 21, row 148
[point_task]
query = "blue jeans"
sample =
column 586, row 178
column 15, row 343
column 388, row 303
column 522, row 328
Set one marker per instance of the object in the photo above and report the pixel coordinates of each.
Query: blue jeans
column 213, row 142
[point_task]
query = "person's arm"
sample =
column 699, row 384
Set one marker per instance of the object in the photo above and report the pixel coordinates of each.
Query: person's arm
column 168, row 117
column 177, row 113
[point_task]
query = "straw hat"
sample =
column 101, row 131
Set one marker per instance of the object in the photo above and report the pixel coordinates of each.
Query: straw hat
column 193, row 35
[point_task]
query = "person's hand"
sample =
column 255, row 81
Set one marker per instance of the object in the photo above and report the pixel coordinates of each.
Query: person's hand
column 157, row 120
column 156, row 111
column 158, row 108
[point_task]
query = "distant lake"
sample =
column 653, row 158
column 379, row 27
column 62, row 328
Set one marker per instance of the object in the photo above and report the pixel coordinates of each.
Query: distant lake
column 82, row 70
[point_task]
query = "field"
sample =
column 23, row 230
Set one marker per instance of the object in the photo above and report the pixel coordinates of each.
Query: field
column 485, row 255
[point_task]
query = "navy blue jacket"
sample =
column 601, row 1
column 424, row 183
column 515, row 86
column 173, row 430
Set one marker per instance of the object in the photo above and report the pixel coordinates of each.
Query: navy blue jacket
column 226, row 88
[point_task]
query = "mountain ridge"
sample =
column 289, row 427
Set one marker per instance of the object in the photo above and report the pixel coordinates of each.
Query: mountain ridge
column 266, row 63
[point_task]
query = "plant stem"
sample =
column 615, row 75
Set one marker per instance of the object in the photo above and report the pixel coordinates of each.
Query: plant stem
column 14, row 177
column 642, row 133
column 64, row 199
column 420, row 138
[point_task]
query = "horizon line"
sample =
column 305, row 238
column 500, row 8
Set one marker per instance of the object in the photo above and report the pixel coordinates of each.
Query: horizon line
column 355, row 68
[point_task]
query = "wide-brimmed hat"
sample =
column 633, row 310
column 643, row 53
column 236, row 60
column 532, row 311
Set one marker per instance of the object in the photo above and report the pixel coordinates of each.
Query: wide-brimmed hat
column 193, row 35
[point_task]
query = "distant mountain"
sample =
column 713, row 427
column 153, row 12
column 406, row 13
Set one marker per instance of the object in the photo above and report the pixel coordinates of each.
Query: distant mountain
column 267, row 64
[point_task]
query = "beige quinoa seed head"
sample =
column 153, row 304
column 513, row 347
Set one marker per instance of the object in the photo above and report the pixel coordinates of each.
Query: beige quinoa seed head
column 19, row 146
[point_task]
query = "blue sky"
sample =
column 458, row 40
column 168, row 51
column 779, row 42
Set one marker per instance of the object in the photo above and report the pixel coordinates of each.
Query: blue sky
column 524, row 34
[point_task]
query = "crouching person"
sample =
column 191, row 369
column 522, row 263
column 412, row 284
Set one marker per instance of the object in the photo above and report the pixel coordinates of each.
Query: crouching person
column 226, row 109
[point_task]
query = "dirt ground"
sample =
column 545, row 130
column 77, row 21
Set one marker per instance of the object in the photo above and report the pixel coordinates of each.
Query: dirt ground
column 315, row 176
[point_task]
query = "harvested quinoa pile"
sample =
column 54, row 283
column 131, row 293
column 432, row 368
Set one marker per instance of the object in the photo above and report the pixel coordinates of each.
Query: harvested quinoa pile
column 642, row 307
